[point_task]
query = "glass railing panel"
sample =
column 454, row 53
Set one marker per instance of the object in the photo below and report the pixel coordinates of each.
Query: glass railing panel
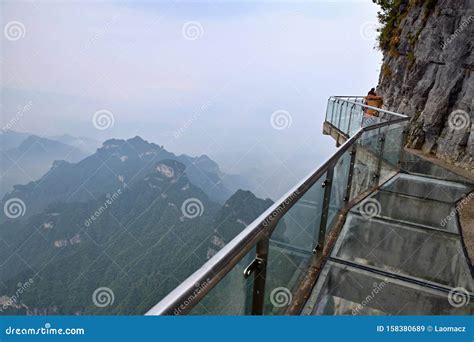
column 392, row 148
column 345, row 117
column 348, row 114
column 333, row 112
column 340, row 115
column 347, row 126
column 369, row 120
column 368, row 149
column 338, row 188
column 329, row 109
column 232, row 295
column 291, row 246
column 336, row 113
column 356, row 120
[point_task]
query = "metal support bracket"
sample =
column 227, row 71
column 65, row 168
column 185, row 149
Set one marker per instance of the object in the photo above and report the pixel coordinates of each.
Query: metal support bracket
column 255, row 265
column 260, row 277
column 321, row 230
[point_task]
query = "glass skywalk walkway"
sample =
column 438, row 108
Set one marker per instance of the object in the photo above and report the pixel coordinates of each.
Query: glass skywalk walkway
column 374, row 230
column 395, row 254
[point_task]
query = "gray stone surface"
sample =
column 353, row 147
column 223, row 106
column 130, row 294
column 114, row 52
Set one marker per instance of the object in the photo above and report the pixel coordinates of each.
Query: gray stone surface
column 430, row 78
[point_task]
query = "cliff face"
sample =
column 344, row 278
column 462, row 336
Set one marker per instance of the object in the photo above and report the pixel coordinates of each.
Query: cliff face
column 427, row 73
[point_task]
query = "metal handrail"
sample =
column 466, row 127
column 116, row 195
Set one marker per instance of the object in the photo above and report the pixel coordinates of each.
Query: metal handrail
column 184, row 297
column 230, row 255
column 371, row 107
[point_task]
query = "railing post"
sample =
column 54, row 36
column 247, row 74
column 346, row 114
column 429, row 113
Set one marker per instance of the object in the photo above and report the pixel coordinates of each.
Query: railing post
column 351, row 173
column 260, row 276
column 327, row 185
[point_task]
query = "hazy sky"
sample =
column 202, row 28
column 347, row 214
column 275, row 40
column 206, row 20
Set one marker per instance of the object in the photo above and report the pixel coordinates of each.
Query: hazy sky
column 201, row 77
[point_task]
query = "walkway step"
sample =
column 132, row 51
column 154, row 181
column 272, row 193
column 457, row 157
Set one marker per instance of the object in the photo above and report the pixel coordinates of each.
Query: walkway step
column 346, row 290
column 430, row 256
column 427, row 213
column 427, row 188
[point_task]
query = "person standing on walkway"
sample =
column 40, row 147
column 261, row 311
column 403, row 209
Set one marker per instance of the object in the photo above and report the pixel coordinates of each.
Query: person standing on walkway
column 373, row 100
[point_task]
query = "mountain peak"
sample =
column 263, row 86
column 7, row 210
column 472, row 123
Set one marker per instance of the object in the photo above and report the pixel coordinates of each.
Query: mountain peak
column 238, row 211
column 241, row 196
column 137, row 140
column 137, row 143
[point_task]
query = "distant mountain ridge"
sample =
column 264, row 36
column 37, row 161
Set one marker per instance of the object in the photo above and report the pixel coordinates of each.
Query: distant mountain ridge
column 30, row 158
column 11, row 139
column 87, row 145
column 116, row 164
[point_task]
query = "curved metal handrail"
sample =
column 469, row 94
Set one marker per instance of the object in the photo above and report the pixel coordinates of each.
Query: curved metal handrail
column 338, row 98
column 184, row 297
column 229, row 256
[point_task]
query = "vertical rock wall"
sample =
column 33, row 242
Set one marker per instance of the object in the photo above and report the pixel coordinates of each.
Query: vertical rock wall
column 427, row 73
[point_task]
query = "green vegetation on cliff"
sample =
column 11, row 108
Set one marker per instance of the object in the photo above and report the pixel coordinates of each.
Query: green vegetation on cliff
column 391, row 14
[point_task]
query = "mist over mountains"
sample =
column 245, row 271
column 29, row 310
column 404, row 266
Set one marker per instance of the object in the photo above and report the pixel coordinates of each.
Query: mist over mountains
column 116, row 164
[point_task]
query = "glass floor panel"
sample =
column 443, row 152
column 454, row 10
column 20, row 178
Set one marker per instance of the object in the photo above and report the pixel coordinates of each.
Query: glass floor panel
column 428, row 255
column 428, row 188
column 410, row 210
column 346, row 290
column 414, row 164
